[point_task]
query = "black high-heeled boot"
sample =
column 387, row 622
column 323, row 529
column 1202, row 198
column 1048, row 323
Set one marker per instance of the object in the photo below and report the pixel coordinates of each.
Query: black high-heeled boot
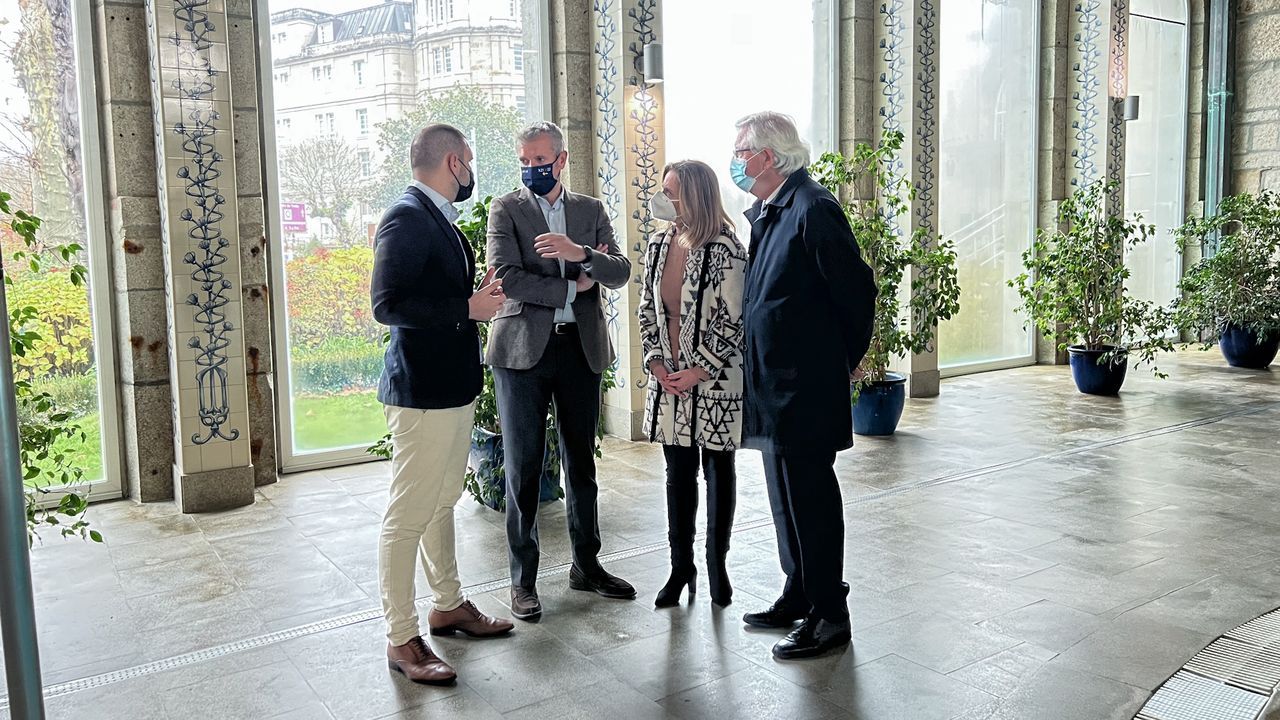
column 721, row 502
column 682, row 513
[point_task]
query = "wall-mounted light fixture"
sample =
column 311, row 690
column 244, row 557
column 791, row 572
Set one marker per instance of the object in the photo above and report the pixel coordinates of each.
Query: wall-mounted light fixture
column 1131, row 108
column 653, row 63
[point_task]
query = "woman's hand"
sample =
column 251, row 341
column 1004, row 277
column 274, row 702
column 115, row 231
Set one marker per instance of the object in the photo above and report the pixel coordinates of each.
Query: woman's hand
column 658, row 370
column 682, row 381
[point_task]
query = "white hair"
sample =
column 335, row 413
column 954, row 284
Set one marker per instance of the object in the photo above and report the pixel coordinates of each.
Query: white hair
column 778, row 133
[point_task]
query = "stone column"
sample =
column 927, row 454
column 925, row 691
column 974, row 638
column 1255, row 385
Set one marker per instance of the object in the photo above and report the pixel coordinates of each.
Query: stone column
column 1057, row 112
column 629, row 161
column 908, row 82
column 196, row 178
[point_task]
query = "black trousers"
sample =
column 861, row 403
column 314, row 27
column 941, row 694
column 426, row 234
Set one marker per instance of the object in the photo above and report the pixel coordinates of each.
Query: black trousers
column 808, row 515
column 562, row 376
column 682, row 501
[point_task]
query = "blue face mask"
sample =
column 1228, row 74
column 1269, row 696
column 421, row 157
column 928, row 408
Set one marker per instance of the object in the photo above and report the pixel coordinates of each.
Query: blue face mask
column 539, row 179
column 738, row 173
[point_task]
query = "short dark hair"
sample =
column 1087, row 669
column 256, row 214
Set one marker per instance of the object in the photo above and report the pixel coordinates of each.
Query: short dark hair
column 433, row 143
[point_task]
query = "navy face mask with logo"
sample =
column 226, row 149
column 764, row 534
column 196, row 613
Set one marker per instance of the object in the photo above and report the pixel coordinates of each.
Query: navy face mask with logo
column 539, row 179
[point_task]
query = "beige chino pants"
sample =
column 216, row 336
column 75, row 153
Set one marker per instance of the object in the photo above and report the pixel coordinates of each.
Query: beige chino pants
column 427, row 470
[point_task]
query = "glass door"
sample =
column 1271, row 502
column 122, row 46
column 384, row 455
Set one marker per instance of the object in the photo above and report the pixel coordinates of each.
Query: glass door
column 987, row 184
column 1155, row 144
column 50, row 170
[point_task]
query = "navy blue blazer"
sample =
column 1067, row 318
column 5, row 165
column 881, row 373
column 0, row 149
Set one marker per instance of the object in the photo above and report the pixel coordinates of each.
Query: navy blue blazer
column 807, row 310
column 423, row 275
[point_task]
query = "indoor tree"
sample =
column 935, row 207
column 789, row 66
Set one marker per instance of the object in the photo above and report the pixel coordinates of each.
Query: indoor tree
column 1238, row 285
column 902, row 326
column 1073, row 285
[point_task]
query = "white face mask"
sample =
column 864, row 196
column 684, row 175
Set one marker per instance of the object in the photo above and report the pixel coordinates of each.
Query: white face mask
column 661, row 207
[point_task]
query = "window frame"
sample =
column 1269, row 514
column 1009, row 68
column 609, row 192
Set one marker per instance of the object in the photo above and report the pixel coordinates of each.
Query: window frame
column 288, row 458
column 101, row 285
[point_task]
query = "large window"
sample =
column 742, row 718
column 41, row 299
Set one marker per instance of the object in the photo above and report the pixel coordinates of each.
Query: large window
column 334, row 182
column 987, row 190
column 717, row 70
column 46, row 167
column 1156, row 142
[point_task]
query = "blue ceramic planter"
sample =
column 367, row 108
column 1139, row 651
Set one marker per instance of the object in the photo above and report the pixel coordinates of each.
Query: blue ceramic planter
column 879, row 406
column 486, row 457
column 1093, row 378
column 1244, row 349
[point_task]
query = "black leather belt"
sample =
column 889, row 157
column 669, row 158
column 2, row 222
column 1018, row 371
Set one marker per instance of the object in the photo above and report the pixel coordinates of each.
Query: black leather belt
column 565, row 328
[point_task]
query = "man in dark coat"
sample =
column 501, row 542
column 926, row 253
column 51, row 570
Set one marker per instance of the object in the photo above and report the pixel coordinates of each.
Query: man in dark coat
column 808, row 309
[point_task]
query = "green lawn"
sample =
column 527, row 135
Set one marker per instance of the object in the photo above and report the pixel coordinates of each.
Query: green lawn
column 87, row 454
column 330, row 421
column 320, row 423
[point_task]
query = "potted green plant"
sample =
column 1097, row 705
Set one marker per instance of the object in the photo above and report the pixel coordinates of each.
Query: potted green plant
column 1232, row 297
column 486, row 478
column 1073, row 290
column 53, row 483
column 902, row 326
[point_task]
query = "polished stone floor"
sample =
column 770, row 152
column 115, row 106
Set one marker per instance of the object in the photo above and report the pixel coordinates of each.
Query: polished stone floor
column 1017, row 551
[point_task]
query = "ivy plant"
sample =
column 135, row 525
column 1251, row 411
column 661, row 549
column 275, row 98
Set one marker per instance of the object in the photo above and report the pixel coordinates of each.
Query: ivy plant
column 47, row 473
column 1073, row 287
column 1240, row 283
column 902, row 326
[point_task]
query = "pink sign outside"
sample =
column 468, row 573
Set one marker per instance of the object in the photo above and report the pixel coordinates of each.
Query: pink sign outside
column 293, row 216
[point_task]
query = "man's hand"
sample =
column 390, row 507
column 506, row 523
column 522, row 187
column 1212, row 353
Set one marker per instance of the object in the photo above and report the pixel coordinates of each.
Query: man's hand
column 584, row 281
column 487, row 300
column 682, row 381
column 559, row 247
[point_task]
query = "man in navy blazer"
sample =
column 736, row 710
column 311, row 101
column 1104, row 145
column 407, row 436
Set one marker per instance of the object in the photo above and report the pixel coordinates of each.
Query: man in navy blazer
column 808, row 307
column 423, row 270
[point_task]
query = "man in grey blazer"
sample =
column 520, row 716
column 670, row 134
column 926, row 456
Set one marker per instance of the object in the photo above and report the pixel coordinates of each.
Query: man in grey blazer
column 549, row 343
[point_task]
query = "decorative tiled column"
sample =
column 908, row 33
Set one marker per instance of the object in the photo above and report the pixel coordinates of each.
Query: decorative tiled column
column 1100, row 78
column 909, row 56
column 191, row 100
column 1088, row 93
column 629, row 161
column 1117, row 91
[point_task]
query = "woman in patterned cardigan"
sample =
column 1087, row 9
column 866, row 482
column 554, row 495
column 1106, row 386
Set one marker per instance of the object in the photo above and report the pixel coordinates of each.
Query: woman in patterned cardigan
column 691, row 328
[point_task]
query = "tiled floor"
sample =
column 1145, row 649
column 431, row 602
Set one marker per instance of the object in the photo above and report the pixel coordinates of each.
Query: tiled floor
column 1017, row 551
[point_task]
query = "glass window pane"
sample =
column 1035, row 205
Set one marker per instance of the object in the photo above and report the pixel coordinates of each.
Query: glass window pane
column 986, row 194
column 41, row 166
column 1154, row 152
column 715, row 75
column 342, row 146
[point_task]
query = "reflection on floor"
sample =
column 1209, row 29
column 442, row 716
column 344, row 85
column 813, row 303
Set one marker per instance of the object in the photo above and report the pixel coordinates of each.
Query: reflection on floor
column 1017, row 551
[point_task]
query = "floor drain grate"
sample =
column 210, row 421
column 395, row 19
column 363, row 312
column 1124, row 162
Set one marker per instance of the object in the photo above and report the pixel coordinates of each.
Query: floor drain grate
column 1187, row 696
column 1239, row 663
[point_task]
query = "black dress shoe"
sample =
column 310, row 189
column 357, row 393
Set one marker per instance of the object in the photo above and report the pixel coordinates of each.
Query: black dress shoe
column 814, row 637
column 779, row 615
column 525, row 604
column 602, row 583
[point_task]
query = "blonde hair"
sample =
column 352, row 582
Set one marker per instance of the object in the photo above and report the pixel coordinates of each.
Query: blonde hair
column 702, row 214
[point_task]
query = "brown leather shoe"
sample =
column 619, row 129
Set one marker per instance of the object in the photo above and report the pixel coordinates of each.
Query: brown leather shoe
column 468, row 620
column 415, row 661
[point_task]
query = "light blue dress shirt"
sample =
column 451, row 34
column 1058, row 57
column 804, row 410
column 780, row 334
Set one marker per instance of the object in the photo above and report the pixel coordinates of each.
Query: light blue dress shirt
column 554, row 215
column 450, row 212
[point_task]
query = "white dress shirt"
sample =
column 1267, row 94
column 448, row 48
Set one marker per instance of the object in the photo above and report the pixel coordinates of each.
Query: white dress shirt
column 554, row 215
